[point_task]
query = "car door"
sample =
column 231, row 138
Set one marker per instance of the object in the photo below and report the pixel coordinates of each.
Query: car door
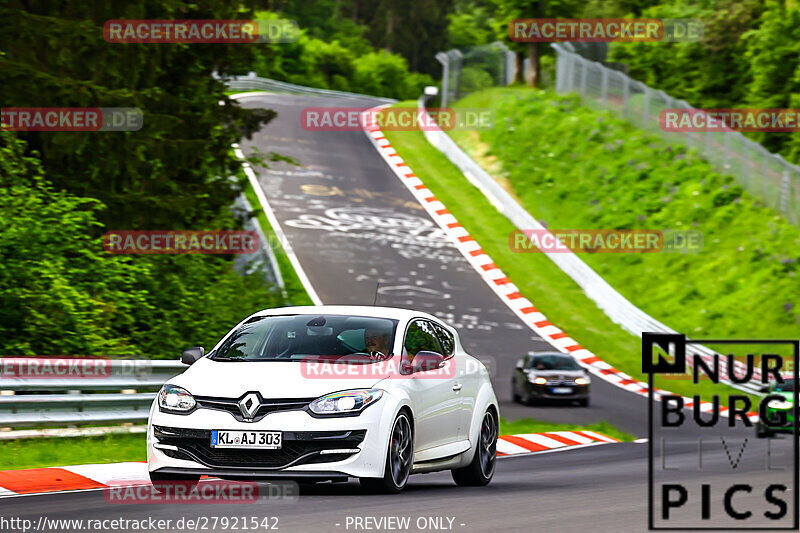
column 437, row 407
column 465, row 378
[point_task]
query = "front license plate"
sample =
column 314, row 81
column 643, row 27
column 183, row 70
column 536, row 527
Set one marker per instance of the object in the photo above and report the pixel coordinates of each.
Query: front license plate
column 266, row 440
column 561, row 390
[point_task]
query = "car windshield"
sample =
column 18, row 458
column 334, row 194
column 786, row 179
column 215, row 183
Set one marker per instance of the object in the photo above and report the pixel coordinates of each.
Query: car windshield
column 786, row 386
column 554, row 362
column 303, row 337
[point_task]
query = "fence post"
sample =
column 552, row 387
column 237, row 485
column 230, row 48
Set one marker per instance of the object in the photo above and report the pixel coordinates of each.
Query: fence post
column 625, row 90
column 444, row 59
column 604, row 89
column 570, row 72
column 785, row 191
column 765, row 176
column 669, row 103
column 726, row 158
column 511, row 67
column 747, row 166
column 584, row 75
column 646, row 113
column 459, row 57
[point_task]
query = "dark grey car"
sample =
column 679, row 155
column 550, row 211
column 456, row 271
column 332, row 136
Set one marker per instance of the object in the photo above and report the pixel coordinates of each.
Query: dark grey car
column 550, row 376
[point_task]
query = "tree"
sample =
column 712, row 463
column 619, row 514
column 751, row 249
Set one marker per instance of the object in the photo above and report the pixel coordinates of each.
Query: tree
column 507, row 10
column 160, row 176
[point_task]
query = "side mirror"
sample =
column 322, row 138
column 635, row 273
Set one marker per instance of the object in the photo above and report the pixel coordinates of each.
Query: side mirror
column 520, row 364
column 192, row 354
column 426, row 360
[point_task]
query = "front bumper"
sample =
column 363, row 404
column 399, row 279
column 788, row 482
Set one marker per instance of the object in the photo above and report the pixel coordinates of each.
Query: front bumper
column 182, row 444
column 576, row 392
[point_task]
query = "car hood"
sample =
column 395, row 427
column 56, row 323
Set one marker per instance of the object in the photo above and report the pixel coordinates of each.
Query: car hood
column 272, row 379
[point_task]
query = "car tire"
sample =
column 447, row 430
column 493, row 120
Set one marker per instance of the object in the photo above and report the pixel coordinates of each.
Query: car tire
column 163, row 482
column 399, row 460
column 583, row 402
column 480, row 470
column 515, row 397
column 529, row 400
column 762, row 432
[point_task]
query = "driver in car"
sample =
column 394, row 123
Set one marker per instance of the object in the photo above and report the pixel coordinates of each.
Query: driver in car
column 376, row 343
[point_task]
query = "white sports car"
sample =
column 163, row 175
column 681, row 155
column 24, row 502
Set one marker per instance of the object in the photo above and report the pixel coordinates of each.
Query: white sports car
column 327, row 393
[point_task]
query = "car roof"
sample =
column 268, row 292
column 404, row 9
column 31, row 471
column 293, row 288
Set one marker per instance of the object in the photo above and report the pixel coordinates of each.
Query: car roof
column 357, row 310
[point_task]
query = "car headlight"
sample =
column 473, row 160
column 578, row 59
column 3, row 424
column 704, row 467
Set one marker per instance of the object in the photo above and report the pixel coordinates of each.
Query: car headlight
column 779, row 404
column 345, row 402
column 538, row 381
column 172, row 398
column 581, row 381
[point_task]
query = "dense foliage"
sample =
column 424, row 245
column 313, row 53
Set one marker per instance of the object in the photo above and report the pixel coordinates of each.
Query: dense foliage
column 576, row 168
column 60, row 293
column 343, row 61
column 749, row 57
column 413, row 29
column 171, row 173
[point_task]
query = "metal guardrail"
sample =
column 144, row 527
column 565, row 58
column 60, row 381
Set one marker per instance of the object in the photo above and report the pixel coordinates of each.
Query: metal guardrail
column 617, row 307
column 251, row 82
column 65, row 402
column 64, row 409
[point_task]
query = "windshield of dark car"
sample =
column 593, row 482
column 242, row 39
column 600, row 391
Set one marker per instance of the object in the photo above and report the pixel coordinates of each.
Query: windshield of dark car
column 554, row 362
column 303, row 337
column 786, row 386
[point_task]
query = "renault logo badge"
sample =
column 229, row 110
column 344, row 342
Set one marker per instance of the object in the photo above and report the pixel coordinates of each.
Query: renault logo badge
column 249, row 404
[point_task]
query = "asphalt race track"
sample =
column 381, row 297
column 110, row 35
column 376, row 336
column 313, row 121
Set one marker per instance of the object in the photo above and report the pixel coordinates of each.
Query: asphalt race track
column 353, row 226
column 599, row 488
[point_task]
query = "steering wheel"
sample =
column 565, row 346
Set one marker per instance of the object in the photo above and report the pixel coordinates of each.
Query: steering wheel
column 375, row 356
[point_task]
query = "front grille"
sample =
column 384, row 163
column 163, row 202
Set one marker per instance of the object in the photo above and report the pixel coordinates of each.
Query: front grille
column 298, row 447
column 231, row 405
column 566, row 382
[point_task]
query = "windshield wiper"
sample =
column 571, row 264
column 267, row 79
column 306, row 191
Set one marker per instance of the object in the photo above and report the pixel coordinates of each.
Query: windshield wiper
column 224, row 358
